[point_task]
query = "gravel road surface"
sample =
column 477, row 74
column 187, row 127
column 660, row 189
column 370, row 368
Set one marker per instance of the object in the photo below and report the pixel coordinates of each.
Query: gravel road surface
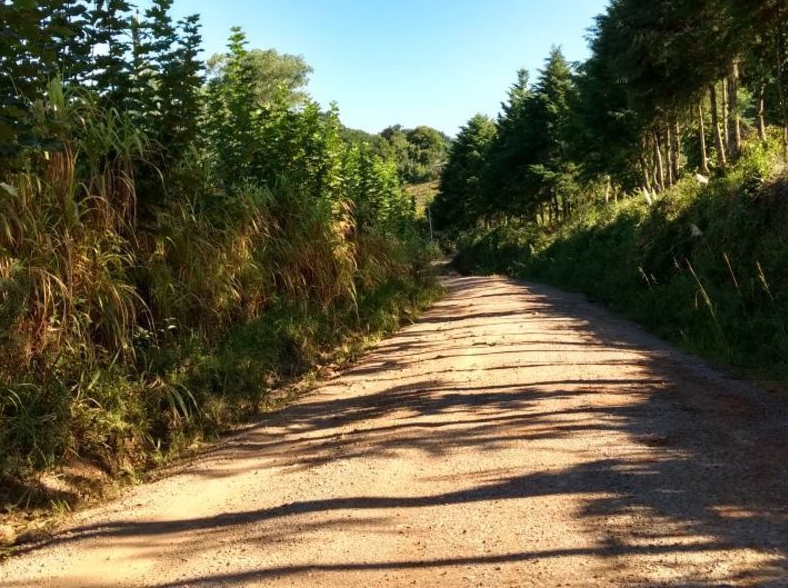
column 515, row 436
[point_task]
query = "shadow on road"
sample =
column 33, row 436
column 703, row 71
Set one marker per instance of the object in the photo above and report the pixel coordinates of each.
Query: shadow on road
column 707, row 457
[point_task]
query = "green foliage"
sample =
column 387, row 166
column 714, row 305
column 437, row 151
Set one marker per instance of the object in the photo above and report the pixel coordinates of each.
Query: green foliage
column 420, row 153
column 460, row 198
column 520, row 167
column 672, row 88
column 41, row 41
column 705, row 267
column 110, row 23
column 172, row 248
column 277, row 79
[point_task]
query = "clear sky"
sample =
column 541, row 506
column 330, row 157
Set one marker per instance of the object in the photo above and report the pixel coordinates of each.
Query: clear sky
column 434, row 62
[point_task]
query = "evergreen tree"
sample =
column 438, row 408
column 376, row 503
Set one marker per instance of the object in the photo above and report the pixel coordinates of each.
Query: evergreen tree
column 459, row 202
column 510, row 152
column 550, row 175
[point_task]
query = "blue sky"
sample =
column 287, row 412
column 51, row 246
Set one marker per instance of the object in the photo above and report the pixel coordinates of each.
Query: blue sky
column 434, row 62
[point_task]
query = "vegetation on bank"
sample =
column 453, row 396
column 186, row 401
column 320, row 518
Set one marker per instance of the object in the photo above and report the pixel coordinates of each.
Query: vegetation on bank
column 650, row 176
column 705, row 266
column 175, row 241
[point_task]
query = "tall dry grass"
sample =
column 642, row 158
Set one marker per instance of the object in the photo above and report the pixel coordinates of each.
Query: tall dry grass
column 122, row 336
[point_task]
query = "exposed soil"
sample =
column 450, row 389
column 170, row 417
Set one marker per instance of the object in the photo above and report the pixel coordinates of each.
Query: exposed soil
column 515, row 436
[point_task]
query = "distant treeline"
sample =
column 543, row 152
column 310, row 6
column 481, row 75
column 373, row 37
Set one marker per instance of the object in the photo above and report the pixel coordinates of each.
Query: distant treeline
column 419, row 153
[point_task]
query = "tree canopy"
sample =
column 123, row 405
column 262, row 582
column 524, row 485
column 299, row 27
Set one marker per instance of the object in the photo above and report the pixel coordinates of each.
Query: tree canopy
column 671, row 88
column 276, row 78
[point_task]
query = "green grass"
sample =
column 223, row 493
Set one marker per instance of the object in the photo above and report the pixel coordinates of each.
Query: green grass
column 231, row 381
column 192, row 392
column 705, row 266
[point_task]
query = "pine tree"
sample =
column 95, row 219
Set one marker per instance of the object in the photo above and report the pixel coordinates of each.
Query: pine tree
column 459, row 202
column 550, row 176
column 510, row 152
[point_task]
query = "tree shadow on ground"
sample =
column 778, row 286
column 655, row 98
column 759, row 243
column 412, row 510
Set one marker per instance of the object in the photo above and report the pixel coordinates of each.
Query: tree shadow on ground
column 705, row 465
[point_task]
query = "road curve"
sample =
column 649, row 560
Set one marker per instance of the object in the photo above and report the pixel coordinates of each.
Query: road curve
column 514, row 436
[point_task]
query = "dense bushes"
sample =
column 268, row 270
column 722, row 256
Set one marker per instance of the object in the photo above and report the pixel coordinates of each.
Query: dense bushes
column 705, row 266
column 596, row 176
column 171, row 250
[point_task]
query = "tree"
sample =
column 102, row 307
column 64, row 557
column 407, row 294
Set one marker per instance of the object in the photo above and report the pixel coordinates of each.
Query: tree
column 426, row 153
column 551, row 175
column 232, row 114
column 529, row 170
column 110, row 22
column 277, row 79
column 459, row 201
column 420, row 153
column 183, row 72
column 510, row 152
column 42, row 41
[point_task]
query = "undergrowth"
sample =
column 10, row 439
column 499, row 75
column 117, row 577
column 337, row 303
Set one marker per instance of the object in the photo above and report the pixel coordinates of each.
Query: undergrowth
column 705, row 266
column 130, row 329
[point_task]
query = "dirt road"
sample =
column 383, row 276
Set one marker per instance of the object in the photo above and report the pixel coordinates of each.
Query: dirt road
column 515, row 436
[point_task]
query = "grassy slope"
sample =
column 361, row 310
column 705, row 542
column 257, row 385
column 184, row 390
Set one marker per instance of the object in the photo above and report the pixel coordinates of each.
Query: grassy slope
column 227, row 384
column 127, row 331
column 705, row 266
column 423, row 195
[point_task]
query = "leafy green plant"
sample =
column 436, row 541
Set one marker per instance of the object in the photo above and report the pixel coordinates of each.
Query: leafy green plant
column 170, row 250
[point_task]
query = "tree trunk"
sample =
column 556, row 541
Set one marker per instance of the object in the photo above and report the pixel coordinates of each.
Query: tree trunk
column 646, row 178
column 781, row 91
column 762, row 112
column 785, row 141
column 676, row 149
column 704, row 154
column 715, row 122
column 726, row 133
column 669, row 148
column 734, row 126
column 659, row 178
